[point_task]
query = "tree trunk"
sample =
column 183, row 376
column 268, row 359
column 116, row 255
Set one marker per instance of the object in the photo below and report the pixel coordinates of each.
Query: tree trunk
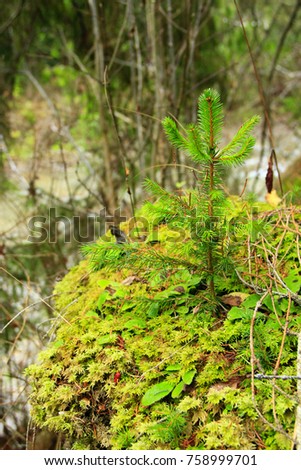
column 108, row 189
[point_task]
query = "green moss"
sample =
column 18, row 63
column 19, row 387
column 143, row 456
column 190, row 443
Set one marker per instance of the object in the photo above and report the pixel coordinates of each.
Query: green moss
column 110, row 350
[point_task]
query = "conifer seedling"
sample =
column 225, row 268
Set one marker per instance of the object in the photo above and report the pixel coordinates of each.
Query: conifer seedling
column 201, row 214
column 200, row 142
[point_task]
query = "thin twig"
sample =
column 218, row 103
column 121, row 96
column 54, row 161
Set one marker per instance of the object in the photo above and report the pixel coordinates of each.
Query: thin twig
column 43, row 300
column 253, row 357
column 121, row 146
column 278, row 377
column 276, row 427
column 261, row 94
column 6, row 24
column 296, row 298
column 277, row 365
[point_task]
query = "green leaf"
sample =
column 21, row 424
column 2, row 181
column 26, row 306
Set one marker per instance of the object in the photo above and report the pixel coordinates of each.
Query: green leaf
column 165, row 294
column 102, row 298
column 91, row 313
column 284, row 306
column 188, row 376
column 103, row 283
column 107, row 339
column 243, row 313
column 173, row 368
column 182, row 309
column 120, row 292
column 135, row 323
column 153, row 310
column 172, row 291
column 157, row 392
column 251, row 300
column 178, row 389
column 127, row 306
column 293, row 281
column 236, row 313
column 272, row 306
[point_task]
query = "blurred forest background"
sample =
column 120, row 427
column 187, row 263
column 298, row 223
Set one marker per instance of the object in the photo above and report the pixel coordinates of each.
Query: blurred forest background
column 84, row 85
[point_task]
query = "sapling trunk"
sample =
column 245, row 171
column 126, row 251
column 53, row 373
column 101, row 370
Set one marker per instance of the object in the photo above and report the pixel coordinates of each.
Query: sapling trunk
column 211, row 218
column 211, row 188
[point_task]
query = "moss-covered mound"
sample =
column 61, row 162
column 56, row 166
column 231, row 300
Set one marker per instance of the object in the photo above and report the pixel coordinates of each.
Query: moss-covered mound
column 145, row 358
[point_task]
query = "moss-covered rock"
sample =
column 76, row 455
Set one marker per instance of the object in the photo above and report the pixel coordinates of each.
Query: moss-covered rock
column 145, row 358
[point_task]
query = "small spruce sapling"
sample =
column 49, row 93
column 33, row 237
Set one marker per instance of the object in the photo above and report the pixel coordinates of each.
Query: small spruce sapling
column 201, row 213
column 200, row 142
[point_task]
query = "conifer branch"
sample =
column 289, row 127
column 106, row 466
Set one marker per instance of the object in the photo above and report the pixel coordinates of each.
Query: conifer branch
column 233, row 159
column 210, row 117
column 240, row 138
